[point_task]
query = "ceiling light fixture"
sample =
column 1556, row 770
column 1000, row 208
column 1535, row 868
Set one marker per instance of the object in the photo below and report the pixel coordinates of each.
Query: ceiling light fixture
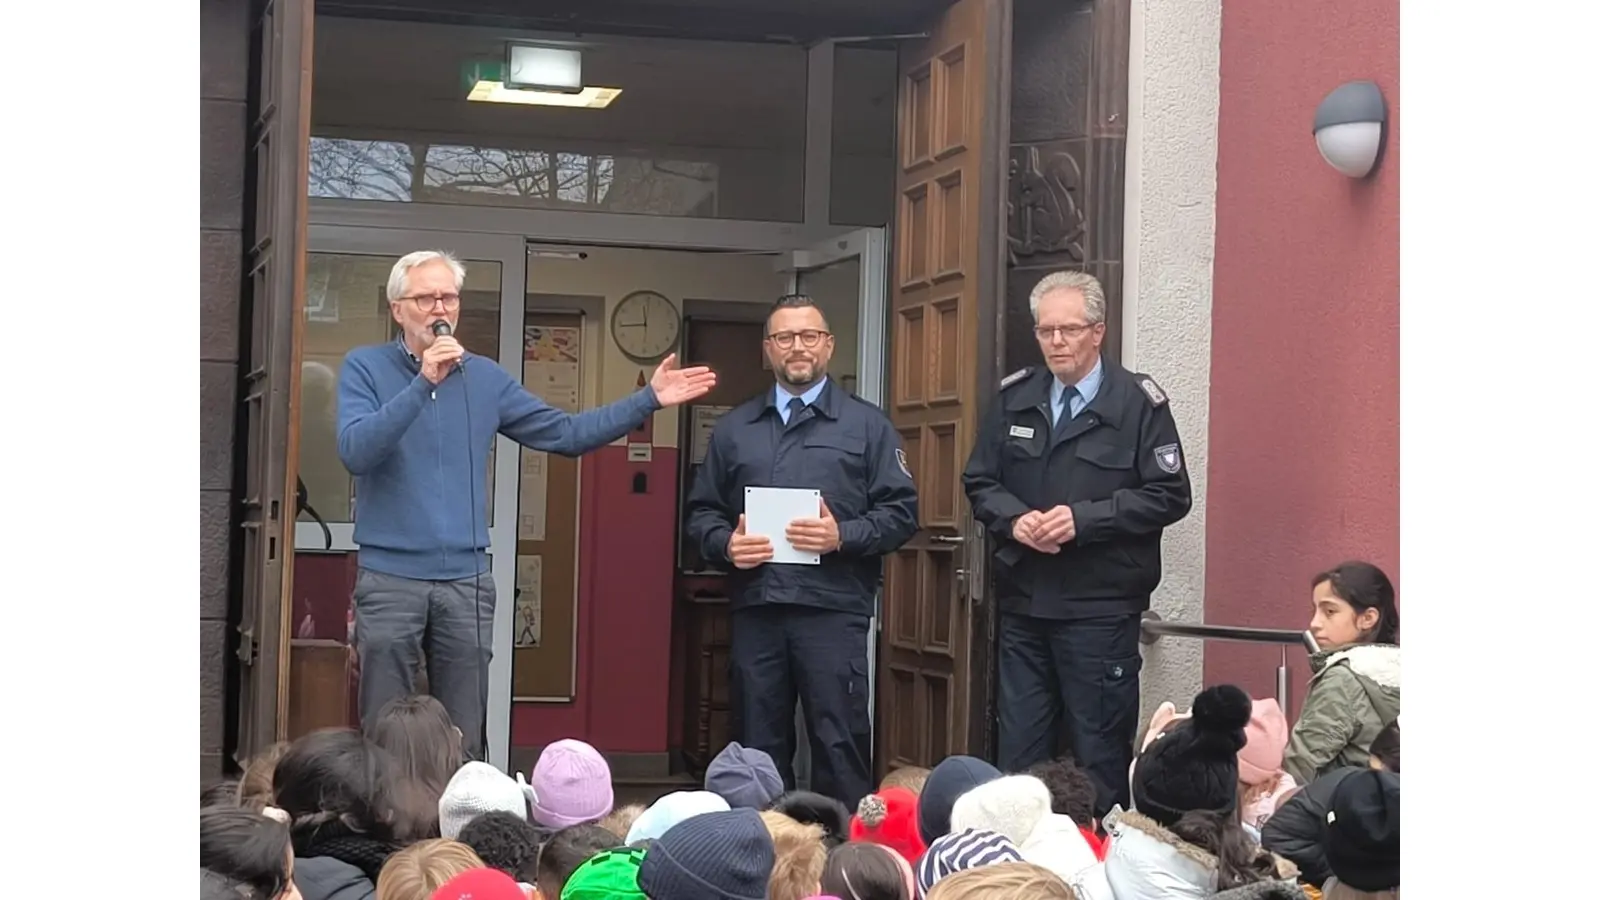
column 542, row 67
column 486, row 82
column 588, row 98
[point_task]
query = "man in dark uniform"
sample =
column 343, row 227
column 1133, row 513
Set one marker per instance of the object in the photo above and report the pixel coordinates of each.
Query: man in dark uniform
column 802, row 629
column 1075, row 472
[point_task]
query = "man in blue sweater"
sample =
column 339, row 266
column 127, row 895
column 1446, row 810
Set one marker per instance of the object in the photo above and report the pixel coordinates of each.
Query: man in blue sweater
column 417, row 418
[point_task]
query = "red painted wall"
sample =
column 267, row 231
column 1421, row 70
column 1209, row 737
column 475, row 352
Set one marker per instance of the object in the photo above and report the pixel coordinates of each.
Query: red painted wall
column 1304, row 467
column 625, row 553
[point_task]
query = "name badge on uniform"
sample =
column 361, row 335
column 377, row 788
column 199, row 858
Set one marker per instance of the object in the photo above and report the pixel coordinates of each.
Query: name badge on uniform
column 1022, row 431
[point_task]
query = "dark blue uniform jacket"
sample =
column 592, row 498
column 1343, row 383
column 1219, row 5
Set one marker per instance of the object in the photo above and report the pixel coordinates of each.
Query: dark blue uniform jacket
column 840, row 445
column 1118, row 465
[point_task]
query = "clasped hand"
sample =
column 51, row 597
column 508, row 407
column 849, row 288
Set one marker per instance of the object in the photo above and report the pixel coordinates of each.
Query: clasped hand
column 1045, row 530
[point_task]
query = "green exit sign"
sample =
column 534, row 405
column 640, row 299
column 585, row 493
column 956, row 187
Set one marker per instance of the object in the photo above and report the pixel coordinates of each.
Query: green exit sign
column 473, row 72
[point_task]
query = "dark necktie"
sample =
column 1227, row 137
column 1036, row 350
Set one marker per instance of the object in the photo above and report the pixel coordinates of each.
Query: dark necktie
column 1066, row 407
column 795, row 406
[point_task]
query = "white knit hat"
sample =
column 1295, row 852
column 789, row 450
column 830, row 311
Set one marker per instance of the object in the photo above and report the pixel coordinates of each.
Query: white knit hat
column 475, row 789
column 1012, row 806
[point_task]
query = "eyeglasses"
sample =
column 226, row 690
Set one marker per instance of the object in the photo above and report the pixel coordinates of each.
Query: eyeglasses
column 425, row 302
column 809, row 338
column 1049, row 332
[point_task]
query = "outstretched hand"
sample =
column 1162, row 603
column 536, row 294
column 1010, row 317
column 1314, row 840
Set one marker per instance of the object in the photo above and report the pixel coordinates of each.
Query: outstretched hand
column 673, row 385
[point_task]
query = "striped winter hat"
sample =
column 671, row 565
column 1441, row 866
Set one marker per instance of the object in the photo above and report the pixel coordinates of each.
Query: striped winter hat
column 963, row 850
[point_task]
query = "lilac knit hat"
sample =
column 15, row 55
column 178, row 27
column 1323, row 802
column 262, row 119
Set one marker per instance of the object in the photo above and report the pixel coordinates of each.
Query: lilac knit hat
column 571, row 785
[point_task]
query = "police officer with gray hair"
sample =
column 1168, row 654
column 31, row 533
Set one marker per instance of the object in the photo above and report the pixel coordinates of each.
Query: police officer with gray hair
column 1076, row 471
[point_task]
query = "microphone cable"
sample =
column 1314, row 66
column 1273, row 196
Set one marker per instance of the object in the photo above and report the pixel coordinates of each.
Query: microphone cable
column 443, row 328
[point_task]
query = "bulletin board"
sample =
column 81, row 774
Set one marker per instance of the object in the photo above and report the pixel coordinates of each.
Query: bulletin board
column 545, row 620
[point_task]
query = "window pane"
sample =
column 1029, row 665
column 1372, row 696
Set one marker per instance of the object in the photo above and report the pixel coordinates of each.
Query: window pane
column 346, row 308
column 701, row 128
column 863, row 136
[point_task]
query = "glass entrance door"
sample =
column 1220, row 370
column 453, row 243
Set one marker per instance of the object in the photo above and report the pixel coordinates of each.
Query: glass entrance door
column 847, row 272
column 347, row 273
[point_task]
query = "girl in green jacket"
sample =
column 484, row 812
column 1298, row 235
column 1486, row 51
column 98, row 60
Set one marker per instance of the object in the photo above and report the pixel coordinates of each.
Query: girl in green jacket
column 1355, row 680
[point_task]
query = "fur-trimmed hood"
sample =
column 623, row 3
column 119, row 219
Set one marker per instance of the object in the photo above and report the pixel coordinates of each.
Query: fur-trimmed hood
column 1263, row 890
column 1147, row 862
column 1377, row 663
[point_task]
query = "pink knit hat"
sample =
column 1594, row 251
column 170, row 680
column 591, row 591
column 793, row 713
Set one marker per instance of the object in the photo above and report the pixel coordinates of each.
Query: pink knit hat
column 571, row 785
column 1265, row 739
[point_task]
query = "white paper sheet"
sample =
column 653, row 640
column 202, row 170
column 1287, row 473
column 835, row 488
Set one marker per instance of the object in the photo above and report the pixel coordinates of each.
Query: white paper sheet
column 768, row 512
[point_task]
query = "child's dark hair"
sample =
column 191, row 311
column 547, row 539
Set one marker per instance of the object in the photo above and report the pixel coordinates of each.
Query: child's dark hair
column 863, row 872
column 217, row 887
column 245, row 846
column 334, row 783
column 1072, row 792
column 220, row 793
column 1240, row 861
column 809, row 808
column 566, row 850
column 1364, row 586
column 1386, row 746
column 506, row 842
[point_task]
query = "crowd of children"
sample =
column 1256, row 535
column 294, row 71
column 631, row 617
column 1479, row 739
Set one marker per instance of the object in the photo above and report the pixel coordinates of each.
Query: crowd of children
column 1228, row 802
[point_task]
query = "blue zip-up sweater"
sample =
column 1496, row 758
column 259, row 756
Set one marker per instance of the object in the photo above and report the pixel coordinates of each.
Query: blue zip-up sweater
column 416, row 462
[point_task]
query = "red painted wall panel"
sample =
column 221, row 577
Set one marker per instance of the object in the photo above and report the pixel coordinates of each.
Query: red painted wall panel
column 1304, row 465
column 624, row 614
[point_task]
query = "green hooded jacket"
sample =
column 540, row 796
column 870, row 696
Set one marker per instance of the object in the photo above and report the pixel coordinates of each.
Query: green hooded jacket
column 1354, row 694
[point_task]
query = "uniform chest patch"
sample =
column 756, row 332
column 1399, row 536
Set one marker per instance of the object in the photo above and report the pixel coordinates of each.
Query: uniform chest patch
column 1022, row 431
column 1168, row 459
column 900, row 457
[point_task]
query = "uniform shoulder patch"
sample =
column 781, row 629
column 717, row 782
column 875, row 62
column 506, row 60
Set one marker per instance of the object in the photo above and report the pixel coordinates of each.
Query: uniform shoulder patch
column 1152, row 390
column 1015, row 377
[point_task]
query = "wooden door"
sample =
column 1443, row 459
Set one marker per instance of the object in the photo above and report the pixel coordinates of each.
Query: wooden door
column 280, row 134
column 933, row 681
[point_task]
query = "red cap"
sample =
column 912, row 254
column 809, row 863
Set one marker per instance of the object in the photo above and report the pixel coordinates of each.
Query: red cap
column 889, row 817
column 480, row 884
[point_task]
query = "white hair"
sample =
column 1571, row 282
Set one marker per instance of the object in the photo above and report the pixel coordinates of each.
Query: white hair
column 1094, row 296
column 400, row 275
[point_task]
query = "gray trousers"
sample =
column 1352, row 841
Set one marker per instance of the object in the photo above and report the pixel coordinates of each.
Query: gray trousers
column 401, row 621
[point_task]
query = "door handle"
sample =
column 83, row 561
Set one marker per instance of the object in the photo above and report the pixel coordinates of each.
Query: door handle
column 947, row 539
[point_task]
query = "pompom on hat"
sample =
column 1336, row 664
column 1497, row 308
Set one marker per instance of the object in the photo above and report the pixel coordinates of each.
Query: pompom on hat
column 1195, row 766
column 889, row 818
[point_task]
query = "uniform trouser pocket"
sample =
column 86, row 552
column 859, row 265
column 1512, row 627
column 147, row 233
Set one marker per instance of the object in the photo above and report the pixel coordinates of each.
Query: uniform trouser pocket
column 1097, row 662
column 828, row 656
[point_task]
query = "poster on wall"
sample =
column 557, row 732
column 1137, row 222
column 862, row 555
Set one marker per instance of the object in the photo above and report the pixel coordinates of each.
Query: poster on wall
column 550, row 365
column 703, row 421
column 550, row 370
column 534, row 490
column 528, row 623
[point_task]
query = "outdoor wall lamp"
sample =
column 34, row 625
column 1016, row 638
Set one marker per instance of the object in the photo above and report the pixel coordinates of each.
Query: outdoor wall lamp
column 1349, row 127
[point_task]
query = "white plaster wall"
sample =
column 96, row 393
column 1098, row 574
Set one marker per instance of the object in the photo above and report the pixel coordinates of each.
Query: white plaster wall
column 1170, row 230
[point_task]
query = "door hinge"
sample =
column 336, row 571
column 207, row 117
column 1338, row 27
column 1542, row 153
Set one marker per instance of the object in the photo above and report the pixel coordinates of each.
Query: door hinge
column 248, row 646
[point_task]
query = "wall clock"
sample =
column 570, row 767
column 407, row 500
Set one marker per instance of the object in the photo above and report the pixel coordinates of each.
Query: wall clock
column 646, row 326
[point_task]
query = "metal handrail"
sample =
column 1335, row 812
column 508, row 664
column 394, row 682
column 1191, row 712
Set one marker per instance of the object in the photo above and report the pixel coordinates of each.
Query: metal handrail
column 1152, row 629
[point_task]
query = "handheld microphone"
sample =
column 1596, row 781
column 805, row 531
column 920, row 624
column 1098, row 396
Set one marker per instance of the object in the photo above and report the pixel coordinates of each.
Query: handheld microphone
column 441, row 328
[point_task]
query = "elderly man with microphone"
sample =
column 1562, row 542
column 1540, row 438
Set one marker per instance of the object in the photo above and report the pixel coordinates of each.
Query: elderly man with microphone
column 417, row 418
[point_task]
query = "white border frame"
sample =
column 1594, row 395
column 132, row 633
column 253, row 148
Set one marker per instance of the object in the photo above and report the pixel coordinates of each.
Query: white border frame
column 511, row 253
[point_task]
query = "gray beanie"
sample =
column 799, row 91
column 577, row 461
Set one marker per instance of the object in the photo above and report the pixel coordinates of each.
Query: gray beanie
column 745, row 777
